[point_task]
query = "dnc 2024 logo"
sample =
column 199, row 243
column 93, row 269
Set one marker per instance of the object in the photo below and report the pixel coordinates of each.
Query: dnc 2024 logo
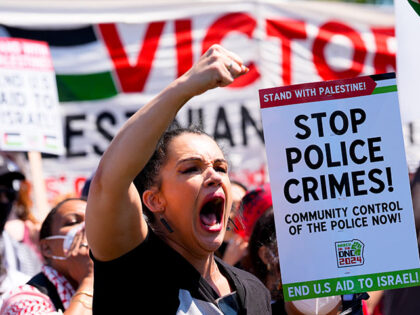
column 349, row 253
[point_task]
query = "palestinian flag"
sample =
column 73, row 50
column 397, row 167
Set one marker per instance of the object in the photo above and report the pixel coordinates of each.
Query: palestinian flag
column 415, row 4
column 93, row 80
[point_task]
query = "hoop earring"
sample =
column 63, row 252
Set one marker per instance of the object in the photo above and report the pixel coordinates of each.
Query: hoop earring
column 166, row 224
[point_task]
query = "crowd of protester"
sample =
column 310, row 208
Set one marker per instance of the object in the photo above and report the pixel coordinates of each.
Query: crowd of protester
column 155, row 239
column 64, row 281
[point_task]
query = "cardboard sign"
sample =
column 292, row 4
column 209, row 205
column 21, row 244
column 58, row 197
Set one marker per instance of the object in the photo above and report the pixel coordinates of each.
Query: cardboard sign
column 341, row 195
column 30, row 119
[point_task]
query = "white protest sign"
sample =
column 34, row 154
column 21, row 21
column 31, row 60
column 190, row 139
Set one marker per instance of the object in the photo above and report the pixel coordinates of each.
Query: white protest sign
column 339, row 179
column 30, row 119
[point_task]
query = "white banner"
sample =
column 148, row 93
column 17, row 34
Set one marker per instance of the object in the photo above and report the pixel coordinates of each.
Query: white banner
column 107, row 70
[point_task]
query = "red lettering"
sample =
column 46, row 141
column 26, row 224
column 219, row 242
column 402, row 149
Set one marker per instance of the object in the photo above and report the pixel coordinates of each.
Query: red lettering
column 52, row 185
column 234, row 22
column 384, row 60
column 286, row 30
column 132, row 78
column 183, row 45
column 325, row 34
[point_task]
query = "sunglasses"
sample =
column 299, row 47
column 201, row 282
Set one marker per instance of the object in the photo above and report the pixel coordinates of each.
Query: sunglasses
column 10, row 193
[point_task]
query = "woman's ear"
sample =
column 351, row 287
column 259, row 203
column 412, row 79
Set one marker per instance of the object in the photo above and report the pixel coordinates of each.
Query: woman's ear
column 45, row 248
column 265, row 255
column 154, row 200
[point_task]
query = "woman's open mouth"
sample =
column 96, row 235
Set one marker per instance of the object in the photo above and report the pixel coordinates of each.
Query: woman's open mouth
column 211, row 214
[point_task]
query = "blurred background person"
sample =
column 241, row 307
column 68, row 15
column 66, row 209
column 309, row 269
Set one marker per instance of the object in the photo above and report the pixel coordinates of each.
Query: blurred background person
column 65, row 283
column 234, row 247
column 238, row 192
column 22, row 224
column 253, row 204
column 264, row 259
column 18, row 262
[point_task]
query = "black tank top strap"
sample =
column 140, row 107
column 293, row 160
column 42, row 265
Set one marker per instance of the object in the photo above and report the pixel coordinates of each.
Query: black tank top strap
column 41, row 282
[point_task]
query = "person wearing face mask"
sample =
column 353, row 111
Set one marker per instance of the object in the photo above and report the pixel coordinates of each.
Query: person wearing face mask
column 65, row 284
column 18, row 262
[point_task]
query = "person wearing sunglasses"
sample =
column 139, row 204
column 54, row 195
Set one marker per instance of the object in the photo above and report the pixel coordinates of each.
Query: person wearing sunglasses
column 65, row 284
column 18, row 262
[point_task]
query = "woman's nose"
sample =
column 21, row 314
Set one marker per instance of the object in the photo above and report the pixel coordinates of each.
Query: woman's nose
column 213, row 177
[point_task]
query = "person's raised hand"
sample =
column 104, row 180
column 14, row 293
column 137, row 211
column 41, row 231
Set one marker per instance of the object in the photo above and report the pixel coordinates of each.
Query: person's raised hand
column 81, row 266
column 217, row 67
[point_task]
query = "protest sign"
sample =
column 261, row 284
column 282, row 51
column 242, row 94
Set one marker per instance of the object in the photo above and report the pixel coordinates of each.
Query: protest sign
column 341, row 195
column 30, row 119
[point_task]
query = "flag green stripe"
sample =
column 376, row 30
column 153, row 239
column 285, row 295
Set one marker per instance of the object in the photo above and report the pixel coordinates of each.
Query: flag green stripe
column 353, row 284
column 85, row 87
column 415, row 6
column 385, row 89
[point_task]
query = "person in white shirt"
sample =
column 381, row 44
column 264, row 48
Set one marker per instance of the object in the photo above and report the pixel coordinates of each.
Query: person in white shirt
column 18, row 262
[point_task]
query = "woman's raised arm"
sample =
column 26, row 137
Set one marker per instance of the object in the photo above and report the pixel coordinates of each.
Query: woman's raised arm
column 114, row 221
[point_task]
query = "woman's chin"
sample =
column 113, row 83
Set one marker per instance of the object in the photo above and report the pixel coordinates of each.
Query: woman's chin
column 211, row 243
column 209, row 238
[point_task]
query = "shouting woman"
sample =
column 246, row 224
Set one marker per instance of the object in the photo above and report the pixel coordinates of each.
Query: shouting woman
column 158, row 208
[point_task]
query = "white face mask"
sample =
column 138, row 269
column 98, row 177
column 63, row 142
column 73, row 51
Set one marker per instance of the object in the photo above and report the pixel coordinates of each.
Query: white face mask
column 71, row 240
column 318, row 306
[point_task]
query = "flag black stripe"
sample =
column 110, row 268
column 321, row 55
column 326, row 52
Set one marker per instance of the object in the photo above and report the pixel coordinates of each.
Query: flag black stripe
column 57, row 38
column 383, row 76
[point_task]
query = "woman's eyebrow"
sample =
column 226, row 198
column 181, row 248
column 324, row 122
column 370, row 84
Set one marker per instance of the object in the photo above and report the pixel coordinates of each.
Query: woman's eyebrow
column 199, row 159
column 190, row 159
column 220, row 161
